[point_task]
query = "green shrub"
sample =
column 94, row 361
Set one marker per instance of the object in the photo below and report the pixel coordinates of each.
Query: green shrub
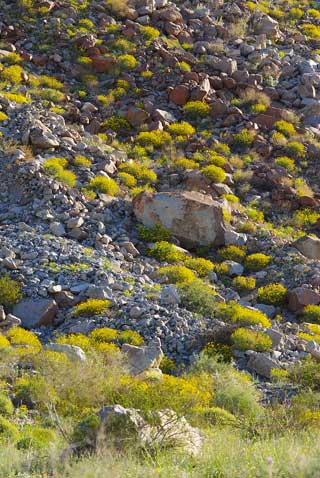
column 185, row 163
column 130, row 337
column 156, row 233
column 82, row 161
column 164, row 251
column 286, row 163
column 4, row 342
column 117, row 123
column 198, row 297
column 196, row 110
column 177, row 274
column 181, row 129
column 66, row 177
column 127, row 179
column 149, row 33
column 55, row 167
column 311, row 313
column 258, row 108
column 24, row 341
column 36, row 437
column 104, row 335
column 305, row 374
column 273, row 294
column 238, row 314
column 6, row 406
column 78, row 340
column 256, row 262
column 305, row 217
column 214, row 173
column 200, row 265
column 153, row 138
column 167, row 365
column 243, row 139
column 296, row 13
column 246, row 339
column 232, row 253
column 285, row 128
column 244, row 284
column 295, row 149
column 221, row 352
column 183, row 66
column 12, row 74
column 10, row 291
column 127, row 62
column 104, row 185
column 3, row 116
column 8, row 431
column 91, row 307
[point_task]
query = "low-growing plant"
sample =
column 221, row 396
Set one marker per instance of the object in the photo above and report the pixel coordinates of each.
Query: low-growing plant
column 232, row 253
column 238, row 314
column 256, row 262
column 273, row 294
column 200, row 265
column 127, row 179
column 156, row 138
column 177, row 274
column 91, row 307
column 181, row 129
column 127, row 62
column 156, row 233
column 24, row 341
column 295, row 149
column 102, row 184
column 246, row 339
column 243, row 139
column 286, row 163
column 196, row 110
column 130, row 337
column 165, row 251
column 311, row 313
column 214, row 173
column 10, row 291
column 244, row 284
column 82, row 162
column 285, row 128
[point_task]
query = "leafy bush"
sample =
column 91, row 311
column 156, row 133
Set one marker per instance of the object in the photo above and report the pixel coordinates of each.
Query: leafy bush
column 6, row 406
column 217, row 416
column 55, row 167
column 12, row 74
column 311, row 31
column 36, row 437
column 181, row 129
column 130, row 337
column 306, row 374
column 273, row 294
column 24, row 341
column 104, row 335
column 140, row 172
column 198, row 297
column 221, row 352
column 91, row 307
column 232, row 253
column 238, row 314
column 127, row 179
column 285, row 128
column 104, row 185
column 243, row 139
column 256, row 262
column 200, row 265
column 149, row 33
column 286, row 163
column 246, row 339
column 164, row 251
column 296, row 13
column 10, row 291
column 296, row 149
column 258, row 108
column 78, row 340
column 3, row 116
column 4, row 342
column 311, row 313
column 196, row 110
column 8, row 431
column 153, row 138
column 244, row 284
column 167, row 365
column 127, row 62
column 185, row 163
column 156, row 233
column 305, row 217
column 177, row 274
column 214, row 173
column 82, row 161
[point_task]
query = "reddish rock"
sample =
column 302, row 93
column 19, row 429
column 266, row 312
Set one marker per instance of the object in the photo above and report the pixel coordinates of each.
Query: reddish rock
column 103, row 64
column 307, row 201
column 300, row 297
column 94, row 51
column 136, row 116
column 40, row 60
column 179, row 95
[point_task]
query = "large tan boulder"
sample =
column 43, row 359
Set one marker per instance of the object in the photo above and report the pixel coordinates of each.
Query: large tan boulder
column 194, row 218
column 141, row 359
column 308, row 246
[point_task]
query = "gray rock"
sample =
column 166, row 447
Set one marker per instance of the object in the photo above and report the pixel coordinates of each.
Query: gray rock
column 143, row 358
column 34, row 313
column 308, row 246
column 57, row 228
column 262, row 364
column 72, row 351
column 99, row 292
column 170, row 295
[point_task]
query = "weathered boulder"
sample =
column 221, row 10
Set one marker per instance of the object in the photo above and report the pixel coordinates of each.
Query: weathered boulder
column 34, row 313
column 300, row 297
column 43, row 139
column 143, row 358
column 195, row 219
column 73, row 352
column 262, row 364
column 308, row 246
column 123, row 426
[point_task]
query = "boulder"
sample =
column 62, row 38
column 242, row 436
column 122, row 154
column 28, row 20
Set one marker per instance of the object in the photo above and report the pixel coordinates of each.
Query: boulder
column 43, row 139
column 103, row 64
column 262, row 364
column 124, row 426
column 300, row 297
column 34, row 313
column 143, row 358
column 179, row 95
column 195, row 219
column 308, row 246
column 73, row 352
